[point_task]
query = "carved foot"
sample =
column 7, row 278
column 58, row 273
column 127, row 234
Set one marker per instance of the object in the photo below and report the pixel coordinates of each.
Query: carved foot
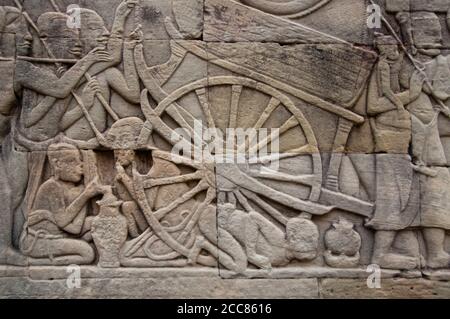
column 395, row 261
column 261, row 262
column 421, row 261
column 439, row 261
column 195, row 251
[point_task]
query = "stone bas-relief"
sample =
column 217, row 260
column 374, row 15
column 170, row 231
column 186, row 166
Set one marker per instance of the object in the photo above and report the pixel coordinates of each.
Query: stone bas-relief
column 116, row 151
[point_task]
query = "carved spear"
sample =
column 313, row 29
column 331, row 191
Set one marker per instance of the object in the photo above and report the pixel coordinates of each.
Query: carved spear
column 414, row 62
column 100, row 97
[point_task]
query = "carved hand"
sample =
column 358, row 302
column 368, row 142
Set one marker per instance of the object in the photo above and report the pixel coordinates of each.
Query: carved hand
column 95, row 188
column 125, row 8
column 121, row 174
column 399, row 104
column 99, row 55
column 136, row 37
column 416, row 84
column 89, row 92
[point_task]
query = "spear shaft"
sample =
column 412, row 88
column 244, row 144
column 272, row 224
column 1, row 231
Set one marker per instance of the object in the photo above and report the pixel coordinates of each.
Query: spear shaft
column 413, row 61
column 99, row 96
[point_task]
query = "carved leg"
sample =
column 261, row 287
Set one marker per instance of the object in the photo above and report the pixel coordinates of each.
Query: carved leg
column 225, row 247
column 200, row 244
column 127, row 210
column 340, row 141
column 257, row 225
column 86, row 230
column 384, row 258
column 434, row 240
column 138, row 217
column 9, row 255
column 230, row 253
column 7, row 215
column 60, row 252
column 408, row 243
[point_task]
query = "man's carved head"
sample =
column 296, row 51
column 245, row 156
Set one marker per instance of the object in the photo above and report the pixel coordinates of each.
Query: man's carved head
column 124, row 157
column 387, row 46
column 63, row 41
column 302, row 238
column 93, row 31
column 427, row 32
column 12, row 21
column 66, row 163
column 124, row 134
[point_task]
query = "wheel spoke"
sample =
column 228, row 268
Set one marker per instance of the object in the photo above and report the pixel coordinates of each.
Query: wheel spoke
column 232, row 198
column 176, row 115
column 210, row 196
column 242, row 200
column 271, row 107
column 269, row 209
column 303, row 150
column 177, row 159
column 203, row 99
column 307, row 180
column 235, row 98
column 153, row 182
column 236, row 176
column 289, row 124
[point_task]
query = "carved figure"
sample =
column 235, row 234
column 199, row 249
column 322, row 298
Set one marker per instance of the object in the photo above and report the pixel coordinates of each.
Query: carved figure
column 12, row 183
column 397, row 191
column 58, row 226
column 97, row 91
column 265, row 245
column 126, row 136
column 429, row 211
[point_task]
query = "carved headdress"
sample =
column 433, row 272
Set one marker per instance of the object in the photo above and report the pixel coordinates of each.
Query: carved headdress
column 382, row 39
column 129, row 133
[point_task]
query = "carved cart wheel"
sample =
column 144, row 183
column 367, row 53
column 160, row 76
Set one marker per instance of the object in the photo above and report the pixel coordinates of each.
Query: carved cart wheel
column 247, row 185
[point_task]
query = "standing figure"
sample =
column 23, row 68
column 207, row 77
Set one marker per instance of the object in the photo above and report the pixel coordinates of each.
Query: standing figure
column 94, row 34
column 13, row 33
column 431, row 162
column 427, row 208
column 32, row 81
column 397, row 190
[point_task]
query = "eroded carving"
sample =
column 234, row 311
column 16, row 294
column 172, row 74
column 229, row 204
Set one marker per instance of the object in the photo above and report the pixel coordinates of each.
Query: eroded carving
column 100, row 157
column 58, row 227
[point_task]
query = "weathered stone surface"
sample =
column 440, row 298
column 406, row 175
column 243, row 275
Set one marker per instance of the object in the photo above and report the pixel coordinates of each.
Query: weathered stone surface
column 152, row 15
column 189, row 148
column 166, row 288
column 288, row 22
column 191, row 283
column 417, row 5
column 390, row 288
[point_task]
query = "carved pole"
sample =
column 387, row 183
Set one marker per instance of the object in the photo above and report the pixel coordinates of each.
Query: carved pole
column 414, row 62
column 100, row 97
column 340, row 141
